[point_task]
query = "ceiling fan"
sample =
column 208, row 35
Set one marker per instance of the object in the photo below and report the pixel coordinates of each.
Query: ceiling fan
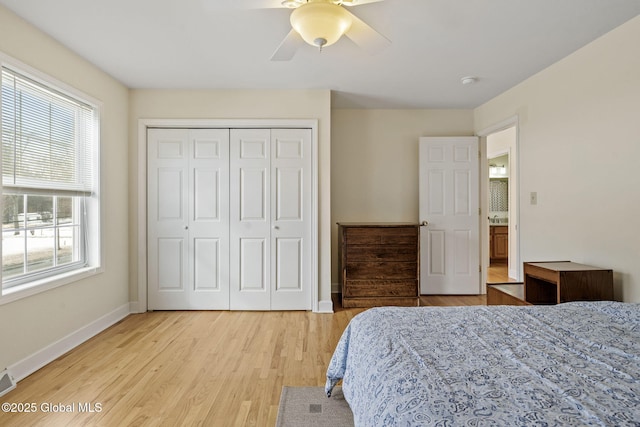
column 321, row 23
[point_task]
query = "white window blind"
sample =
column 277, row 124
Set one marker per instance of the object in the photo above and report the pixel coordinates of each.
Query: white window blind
column 46, row 138
column 50, row 183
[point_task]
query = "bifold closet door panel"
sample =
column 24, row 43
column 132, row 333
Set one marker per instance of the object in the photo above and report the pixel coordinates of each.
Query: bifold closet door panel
column 250, row 219
column 209, row 218
column 168, row 208
column 291, row 219
column 188, row 215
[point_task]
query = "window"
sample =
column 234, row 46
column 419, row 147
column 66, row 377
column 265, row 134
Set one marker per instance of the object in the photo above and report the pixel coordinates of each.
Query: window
column 49, row 182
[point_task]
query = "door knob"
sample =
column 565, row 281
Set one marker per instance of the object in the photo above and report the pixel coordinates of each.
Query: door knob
column 186, row 227
column 275, row 227
column 424, row 223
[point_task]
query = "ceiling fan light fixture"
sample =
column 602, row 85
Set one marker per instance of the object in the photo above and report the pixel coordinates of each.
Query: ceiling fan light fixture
column 291, row 3
column 320, row 23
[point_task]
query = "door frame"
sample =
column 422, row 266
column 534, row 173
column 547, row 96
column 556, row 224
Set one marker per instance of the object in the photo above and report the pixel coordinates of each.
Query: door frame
column 514, row 158
column 144, row 124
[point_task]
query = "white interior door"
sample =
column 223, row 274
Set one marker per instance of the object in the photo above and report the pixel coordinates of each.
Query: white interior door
column 188, row 235
column 270, row 224
column 291, row 219
column 449, row 202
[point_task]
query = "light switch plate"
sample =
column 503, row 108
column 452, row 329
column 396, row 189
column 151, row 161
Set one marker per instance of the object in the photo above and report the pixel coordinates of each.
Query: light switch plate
column 533, row 197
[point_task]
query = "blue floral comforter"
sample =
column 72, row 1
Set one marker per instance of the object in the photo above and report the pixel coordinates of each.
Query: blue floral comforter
column 573, row 364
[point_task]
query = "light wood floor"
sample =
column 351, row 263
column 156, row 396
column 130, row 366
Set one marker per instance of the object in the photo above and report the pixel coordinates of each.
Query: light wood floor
column 207, row 368
column 498, row 273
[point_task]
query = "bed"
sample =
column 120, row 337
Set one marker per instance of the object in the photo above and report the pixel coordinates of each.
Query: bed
column 572, row 364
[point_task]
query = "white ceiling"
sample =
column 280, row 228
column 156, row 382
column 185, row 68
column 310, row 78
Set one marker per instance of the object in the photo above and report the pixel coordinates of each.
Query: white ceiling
column 226, row 44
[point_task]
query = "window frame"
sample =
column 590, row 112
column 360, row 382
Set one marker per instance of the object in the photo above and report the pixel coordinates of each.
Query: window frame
column 27, row 227
column 94, row 207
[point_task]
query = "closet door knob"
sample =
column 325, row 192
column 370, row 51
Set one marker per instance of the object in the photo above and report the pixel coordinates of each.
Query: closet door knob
column 275, row 227
column 186, row 227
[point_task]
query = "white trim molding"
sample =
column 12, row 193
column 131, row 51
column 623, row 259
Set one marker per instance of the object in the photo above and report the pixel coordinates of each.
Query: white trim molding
column 42, row 357
column 505, row 124
column 324, row 307
column 144, row 124
column 513, row 121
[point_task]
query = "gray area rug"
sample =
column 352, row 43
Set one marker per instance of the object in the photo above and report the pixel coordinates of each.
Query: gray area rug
column 310, row 407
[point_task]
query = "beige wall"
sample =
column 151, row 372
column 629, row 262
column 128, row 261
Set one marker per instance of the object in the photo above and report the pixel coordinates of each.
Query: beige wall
column 579, row 145
column 374, row 162
column 32, row 323
column 238, row 104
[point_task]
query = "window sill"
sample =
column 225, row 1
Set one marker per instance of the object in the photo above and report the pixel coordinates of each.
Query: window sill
column 37, row 286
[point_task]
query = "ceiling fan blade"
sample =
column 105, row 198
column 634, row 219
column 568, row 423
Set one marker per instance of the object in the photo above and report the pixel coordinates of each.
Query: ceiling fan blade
column 366, row 37
column 276, row 4
column 259, row 4
column 288, row 47
column 358, row 2
column 243, row 4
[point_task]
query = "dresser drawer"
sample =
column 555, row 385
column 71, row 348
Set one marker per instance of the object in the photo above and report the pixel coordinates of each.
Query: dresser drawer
column 387, row 288
column 404, row 253
column 382, row 270
column 381, row 236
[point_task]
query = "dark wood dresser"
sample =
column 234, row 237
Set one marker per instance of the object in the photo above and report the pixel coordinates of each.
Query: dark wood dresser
column 379, row 264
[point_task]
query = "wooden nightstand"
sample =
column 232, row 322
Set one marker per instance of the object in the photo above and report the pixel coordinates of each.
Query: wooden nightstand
column 556, row 282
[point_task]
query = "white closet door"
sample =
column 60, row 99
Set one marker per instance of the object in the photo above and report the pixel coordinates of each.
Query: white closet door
column 250, row 219
column 209, row 219
column 270, row 224
column 291, row 219
column 187, row 219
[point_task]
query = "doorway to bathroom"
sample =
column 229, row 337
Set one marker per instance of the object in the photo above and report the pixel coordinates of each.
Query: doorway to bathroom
column 501, row 218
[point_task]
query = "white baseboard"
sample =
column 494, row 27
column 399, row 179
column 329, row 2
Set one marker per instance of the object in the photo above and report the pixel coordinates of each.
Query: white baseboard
column 325, row 306
column 37, row 360
column 134, row 308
